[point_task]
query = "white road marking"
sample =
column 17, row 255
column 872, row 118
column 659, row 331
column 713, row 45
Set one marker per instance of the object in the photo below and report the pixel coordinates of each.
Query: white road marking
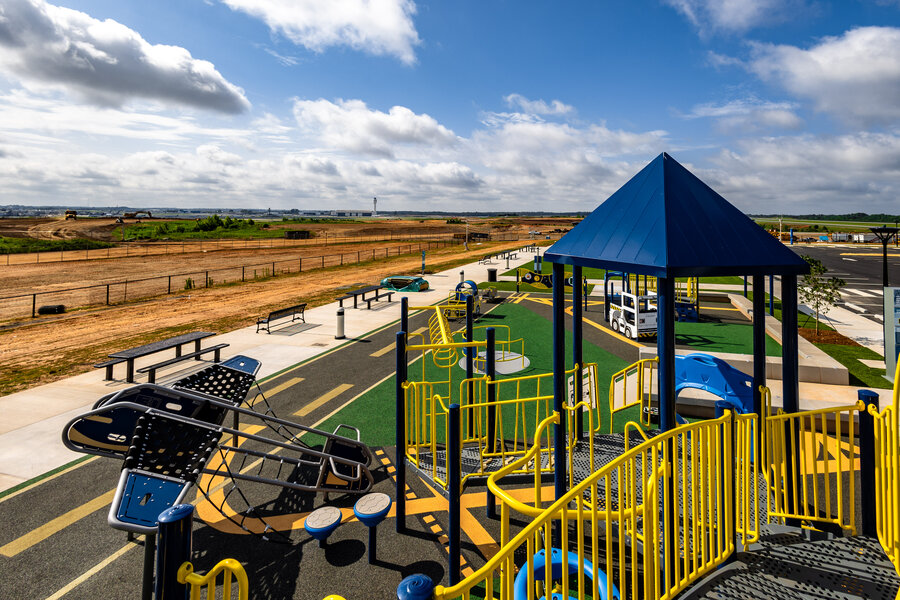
column 855, row 307
column 862, row 293
column 850, row 259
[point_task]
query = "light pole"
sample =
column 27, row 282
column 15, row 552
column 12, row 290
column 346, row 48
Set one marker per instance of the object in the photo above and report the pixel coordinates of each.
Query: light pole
column 884, row 235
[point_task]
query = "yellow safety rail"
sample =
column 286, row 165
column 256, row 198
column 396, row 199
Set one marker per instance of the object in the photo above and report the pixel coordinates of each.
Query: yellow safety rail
column 685, row 290
column 230, row 570
column 887, row 476
column 456, row 304
column 746, row 474
column 633, row 386
column 694, row 529
column 816, row 484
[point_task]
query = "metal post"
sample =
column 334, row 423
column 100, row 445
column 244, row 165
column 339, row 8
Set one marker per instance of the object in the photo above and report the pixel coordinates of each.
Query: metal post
column 400, row 433
column 404, row 314
column 107, row 294
column 174, row 549
column 169, row 289
column 577, row 348
column 206, row 274
column 33, row 305
column 772, row 295
column 490, row 369
column 339, row 334
column 454, row 468
column 470, row 356
column 745, row 285
column 867, row 462
column 559, row 378
column 665, row 349
column 789, row 376
column 759, row 342
column 149, row 556
column 242, row 272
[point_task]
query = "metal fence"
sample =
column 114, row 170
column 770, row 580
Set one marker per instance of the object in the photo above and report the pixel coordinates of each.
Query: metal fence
column 186, row 246
column 25, row 305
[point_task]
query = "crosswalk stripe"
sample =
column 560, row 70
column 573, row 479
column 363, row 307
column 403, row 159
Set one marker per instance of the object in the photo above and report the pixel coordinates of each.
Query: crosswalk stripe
column 862, row 293
column 327, row 396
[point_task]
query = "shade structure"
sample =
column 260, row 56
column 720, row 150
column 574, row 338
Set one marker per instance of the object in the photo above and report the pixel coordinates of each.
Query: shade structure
column 666, row 222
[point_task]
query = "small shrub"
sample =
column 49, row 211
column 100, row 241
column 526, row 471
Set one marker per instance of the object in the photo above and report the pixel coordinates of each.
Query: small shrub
column 188, row 284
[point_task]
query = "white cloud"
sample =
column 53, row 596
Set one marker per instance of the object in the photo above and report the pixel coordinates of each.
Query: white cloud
column 855, row 77
column 351, row 125
column 379, row 27
column 538, row 107
column 749, row 115
column 105, row 62
column 734, row 15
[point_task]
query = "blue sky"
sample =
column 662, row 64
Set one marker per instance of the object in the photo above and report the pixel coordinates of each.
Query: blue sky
column 780, row 105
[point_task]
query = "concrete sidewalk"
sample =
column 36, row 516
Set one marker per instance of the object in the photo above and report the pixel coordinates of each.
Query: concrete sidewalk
column 33, row 420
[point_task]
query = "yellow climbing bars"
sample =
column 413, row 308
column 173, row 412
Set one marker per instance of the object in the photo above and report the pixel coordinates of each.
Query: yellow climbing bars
column 230, row 569
column 616, row 502
column 633, row 386
column 887, row 476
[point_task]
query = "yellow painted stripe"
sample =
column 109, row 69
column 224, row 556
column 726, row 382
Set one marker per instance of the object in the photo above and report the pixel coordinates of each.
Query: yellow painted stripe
column 868, row 254
column 613, row 333
column 326, row 397
column 46, row 479
column 702, row 308
column 278, row 388
column 392, row 345
column 38, row 535
column 520, row 297
column 92, row 571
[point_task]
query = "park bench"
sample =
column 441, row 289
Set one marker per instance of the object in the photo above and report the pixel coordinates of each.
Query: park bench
column 151, row 369
column 358, row 295
column 295, row 312
column 485, row 260
column 378, row 297
column 128, row 356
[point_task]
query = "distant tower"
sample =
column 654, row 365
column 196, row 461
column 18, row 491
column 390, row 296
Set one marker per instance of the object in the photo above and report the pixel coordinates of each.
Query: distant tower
column 374, row 207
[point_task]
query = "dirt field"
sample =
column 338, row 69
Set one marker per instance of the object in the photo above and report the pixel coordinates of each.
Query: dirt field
column 54, row 348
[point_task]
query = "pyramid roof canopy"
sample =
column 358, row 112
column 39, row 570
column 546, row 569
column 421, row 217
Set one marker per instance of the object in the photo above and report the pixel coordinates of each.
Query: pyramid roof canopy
column 665, row 222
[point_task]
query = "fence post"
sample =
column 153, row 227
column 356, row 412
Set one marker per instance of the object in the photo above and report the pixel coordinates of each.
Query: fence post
column 454, row 467
column 242, row 272
column 323, row 261
column 400, row 432
column 33, row 305
column 490, row 369
column 169, row 291
column 867, row 461
column 207, row 280
column 107, row 294
column 174, row 549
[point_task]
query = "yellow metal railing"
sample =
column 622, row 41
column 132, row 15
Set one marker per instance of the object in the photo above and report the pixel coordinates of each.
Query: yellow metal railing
column 231, row 571
column 507, row 350
column 693, row 530
column 746, row 475
column 633, row 386
column 816, row 483
column 887, row 476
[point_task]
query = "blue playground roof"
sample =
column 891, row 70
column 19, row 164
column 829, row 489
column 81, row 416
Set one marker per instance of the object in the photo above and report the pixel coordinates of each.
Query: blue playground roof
column 666, row 222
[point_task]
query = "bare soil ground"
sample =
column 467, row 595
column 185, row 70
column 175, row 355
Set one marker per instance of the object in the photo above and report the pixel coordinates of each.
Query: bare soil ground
column 54, row 348
column 827, row 337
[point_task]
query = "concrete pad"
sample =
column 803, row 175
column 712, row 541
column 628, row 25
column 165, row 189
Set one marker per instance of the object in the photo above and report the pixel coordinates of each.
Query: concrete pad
column 873, row 364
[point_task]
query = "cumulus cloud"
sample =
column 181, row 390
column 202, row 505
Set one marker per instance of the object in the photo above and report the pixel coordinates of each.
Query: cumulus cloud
column 734, row 15
column 379, row 27
column 353, row 126
column 749, row 115
column 105, row 62
column 538, row 107
column 855, row 76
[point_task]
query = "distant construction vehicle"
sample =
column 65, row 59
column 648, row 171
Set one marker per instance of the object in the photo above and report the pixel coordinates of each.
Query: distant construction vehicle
column 71, row 214
column 134, row 215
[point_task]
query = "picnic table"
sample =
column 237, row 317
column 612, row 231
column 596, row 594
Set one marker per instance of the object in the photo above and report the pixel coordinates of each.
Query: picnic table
column 360, row 294
column 132, row 353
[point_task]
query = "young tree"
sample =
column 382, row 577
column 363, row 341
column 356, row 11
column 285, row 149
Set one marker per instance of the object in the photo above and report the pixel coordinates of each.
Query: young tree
column 818, row 292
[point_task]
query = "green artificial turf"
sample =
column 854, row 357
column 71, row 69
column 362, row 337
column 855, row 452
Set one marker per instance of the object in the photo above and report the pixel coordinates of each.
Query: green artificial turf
column 860, row 374
column 374, row 411
column 735, row 338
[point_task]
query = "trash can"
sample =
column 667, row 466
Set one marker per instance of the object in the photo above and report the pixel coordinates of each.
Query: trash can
column 492, row 275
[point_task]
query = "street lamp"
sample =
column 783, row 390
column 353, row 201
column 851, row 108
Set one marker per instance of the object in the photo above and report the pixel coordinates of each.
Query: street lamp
column 884, row 235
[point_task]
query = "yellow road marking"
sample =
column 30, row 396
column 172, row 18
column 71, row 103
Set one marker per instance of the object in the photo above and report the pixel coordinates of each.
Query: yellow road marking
column 38, row 535
column 612, row 333
column 392, row 345
column 92, row 571
column 277, row 389
column 326, row 397
column 520, row 297
column 879, row 255
column 46, row 479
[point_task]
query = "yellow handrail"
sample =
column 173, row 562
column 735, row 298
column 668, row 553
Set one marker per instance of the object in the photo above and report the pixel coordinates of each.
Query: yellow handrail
column 229, row 568
column 643, row 371
column 887, row 475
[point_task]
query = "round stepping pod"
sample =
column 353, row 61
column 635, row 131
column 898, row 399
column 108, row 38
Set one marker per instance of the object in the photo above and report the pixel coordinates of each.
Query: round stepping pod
column 372, row 508
column 322, row 522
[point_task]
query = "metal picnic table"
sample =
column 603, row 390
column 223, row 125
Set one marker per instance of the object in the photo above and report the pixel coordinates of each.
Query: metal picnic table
column 173, row 342
column 359, row 294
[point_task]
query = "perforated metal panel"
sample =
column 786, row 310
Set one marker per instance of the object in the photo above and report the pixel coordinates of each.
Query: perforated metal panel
column 220, row 382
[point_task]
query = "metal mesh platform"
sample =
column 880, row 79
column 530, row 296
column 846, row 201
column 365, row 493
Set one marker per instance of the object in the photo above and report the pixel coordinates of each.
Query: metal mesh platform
column 843, row 568
column 170, row 447
column 218, row 381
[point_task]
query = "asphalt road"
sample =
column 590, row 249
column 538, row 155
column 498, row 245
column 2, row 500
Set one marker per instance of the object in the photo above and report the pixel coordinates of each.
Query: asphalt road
column 861, row 268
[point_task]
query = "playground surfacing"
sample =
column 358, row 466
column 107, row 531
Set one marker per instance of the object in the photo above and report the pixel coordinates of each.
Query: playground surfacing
column 99, row 560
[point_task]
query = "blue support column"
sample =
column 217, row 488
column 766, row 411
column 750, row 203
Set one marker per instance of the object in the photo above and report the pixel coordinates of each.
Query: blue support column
column 454, row 475
column 790, row 395
column 404, row 314
column 577, row 346
column 559, row 378
column 400, row 432
column 772, row 295
column 175, row 525
column 867, row 462
column 665, row 349
column 759, row 341
column 470, row 357
column 490, row 369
